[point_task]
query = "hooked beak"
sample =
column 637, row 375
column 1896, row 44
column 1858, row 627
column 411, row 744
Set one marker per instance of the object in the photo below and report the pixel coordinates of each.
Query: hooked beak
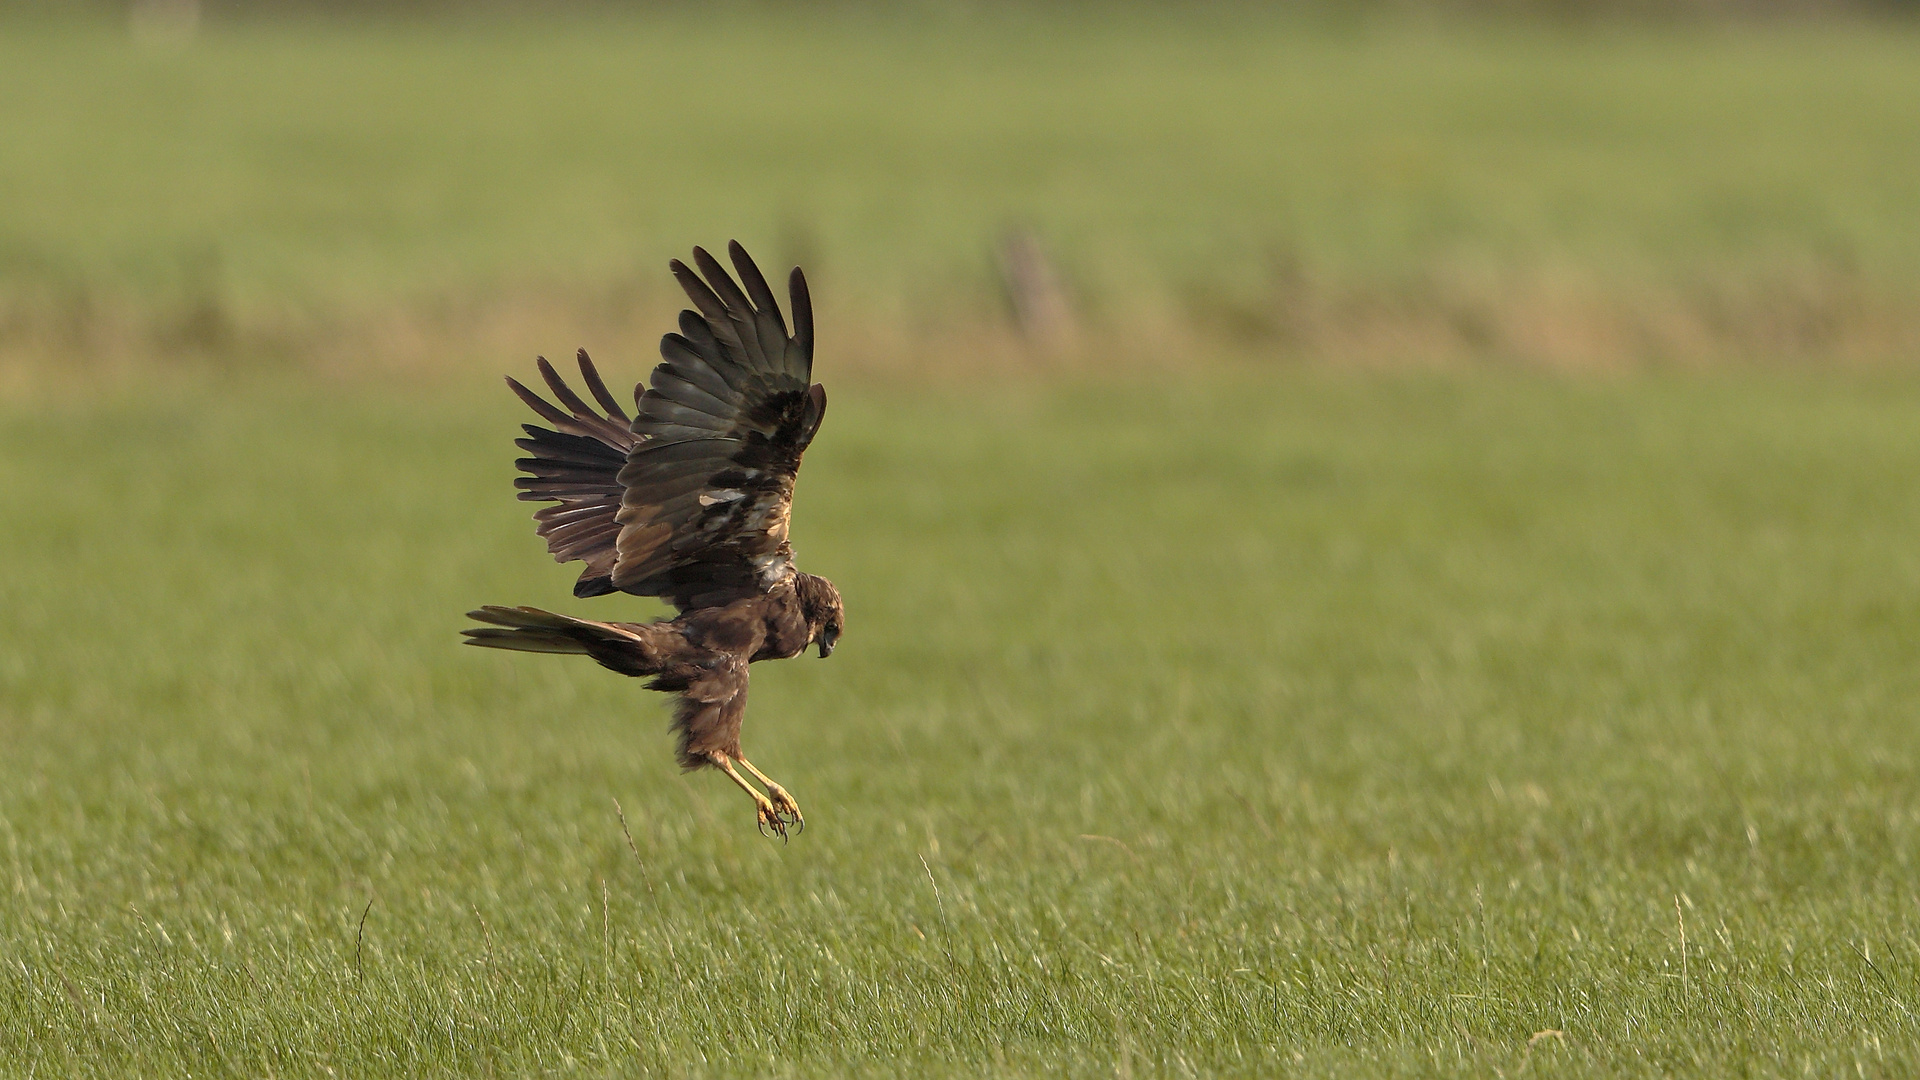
column 826, row 648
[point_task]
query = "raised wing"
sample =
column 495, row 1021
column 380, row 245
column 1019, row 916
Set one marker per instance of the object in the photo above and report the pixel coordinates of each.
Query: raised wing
column 576, row 465
column 708, row 485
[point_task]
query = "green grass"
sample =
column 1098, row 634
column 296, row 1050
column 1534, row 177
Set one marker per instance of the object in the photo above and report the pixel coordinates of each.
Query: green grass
column 1246, row 723
column 1309, row 725
column 1650, row 190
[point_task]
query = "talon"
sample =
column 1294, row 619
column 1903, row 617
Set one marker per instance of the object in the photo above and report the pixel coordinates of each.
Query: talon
column 763, row 807
column 776, row 809
column 786, row 807
column 770, row 818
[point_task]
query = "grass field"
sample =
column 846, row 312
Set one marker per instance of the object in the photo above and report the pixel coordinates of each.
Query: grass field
column 1210, row 704
column 397, row 192
column 1305, row 724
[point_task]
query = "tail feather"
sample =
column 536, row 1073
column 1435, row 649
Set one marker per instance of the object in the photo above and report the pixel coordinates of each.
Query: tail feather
column 526, row 617
column 628, row 648
column 523, row 640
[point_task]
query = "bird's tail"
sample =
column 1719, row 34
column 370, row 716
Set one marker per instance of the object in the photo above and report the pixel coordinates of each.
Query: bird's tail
column 628, row 648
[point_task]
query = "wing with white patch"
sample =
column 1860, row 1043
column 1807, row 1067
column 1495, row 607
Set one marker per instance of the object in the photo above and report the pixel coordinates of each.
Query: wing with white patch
column 708, row 485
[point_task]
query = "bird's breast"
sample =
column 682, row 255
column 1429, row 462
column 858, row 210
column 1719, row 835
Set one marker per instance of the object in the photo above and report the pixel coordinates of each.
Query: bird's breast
column 786, row 633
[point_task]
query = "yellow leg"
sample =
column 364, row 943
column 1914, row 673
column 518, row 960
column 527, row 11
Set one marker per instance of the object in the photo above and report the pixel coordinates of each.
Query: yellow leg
column 782, row 802
column 768, row 815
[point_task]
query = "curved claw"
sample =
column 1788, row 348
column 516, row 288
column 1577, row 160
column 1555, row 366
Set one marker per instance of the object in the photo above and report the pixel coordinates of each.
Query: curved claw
column 769, row 817
column 764, row 808
column 785, row 807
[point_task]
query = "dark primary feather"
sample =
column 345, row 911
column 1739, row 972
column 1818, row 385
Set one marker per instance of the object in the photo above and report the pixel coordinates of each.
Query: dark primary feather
column 722, row 426
column 690, row 499
column 576, row 464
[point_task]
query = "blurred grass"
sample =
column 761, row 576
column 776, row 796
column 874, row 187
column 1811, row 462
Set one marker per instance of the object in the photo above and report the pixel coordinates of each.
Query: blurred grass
column 416, row 192
column 1334, row 726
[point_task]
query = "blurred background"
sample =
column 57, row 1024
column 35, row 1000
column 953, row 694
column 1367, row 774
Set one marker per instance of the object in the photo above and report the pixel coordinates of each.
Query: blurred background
column 1378, row 539
column 1580, row 183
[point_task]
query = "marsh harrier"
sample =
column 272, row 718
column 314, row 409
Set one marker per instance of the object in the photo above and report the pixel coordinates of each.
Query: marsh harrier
column 688, row 501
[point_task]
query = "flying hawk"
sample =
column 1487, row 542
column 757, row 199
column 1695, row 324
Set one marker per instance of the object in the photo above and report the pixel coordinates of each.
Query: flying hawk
column 689, row 502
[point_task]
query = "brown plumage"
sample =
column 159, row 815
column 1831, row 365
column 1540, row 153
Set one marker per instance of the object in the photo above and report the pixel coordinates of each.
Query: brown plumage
column 688, row 501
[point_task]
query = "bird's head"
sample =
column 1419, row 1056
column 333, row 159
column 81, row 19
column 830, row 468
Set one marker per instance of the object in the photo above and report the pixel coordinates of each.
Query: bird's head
column 820, row 602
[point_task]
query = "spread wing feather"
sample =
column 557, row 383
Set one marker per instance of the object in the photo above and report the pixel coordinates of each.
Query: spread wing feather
column 722, row 426
column 576, row 465
column 689, row 500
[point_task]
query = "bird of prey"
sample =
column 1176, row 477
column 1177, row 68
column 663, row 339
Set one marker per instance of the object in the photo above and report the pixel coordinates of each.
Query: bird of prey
column 689, row 502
